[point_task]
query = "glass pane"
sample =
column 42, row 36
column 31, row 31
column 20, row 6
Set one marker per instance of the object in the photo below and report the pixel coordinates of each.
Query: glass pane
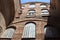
column 44, row 11
column 8, row 33
column 43, row 6
column 29, row 31
column 31, row 11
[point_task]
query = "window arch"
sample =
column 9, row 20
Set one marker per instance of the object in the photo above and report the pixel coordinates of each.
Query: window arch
column 31, row 12
column 32, row 5
column 23, row 7
column 43, row 6
column 8, row 33
column 29, row 31
column 44, row 12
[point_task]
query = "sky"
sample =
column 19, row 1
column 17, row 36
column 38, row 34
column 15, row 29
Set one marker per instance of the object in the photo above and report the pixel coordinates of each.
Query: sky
column 25, row 1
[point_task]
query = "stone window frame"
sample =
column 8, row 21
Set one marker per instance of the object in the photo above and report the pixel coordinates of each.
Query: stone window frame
column 46, row 13
column 11, row 31
column 35, row 31
column 31, row 12
column 44, row 5
column 32, row 5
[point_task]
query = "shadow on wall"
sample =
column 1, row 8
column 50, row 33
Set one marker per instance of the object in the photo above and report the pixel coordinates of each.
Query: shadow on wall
column 51, row 33
column 28, row 39
column 5, row 38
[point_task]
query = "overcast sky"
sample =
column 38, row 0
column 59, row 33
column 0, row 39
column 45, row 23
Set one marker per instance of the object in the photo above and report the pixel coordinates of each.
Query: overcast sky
column 24, row 1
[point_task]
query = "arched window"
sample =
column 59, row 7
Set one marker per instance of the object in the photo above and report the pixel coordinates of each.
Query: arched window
column 23, row 7
column 8, row 33
column 29, row 31
column 32, row 6
column 31, row 12
column 42, row 6
column 44, row 12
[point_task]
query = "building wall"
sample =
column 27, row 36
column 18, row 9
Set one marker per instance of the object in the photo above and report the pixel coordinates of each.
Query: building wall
column 19, row 22
column 37, row 8
column 17, row 4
